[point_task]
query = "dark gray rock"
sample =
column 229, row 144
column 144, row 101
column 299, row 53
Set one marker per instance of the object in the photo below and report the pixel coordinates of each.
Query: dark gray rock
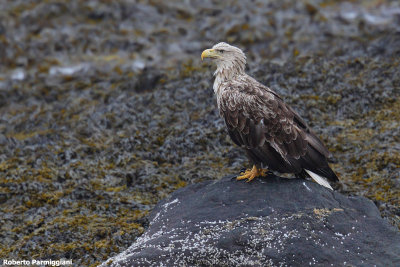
column 268, row 222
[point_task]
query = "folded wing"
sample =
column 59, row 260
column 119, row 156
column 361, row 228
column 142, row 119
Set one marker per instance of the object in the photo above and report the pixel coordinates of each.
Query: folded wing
column 271, row 132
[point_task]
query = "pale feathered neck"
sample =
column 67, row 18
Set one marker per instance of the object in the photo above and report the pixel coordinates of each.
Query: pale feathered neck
column 228, row 70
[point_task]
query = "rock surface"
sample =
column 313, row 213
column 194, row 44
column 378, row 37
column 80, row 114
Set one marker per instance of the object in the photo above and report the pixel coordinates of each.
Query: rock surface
column 270, row 221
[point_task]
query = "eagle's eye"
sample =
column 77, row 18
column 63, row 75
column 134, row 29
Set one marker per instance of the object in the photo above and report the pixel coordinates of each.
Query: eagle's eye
column 220, row 51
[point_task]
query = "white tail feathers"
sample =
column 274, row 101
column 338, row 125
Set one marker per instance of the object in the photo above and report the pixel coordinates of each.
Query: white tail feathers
column 319, row 179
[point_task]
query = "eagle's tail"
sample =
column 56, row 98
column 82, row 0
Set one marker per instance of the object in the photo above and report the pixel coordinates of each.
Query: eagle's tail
column 319, row 179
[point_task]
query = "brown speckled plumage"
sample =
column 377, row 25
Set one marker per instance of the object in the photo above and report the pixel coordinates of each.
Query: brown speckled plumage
column 258, row 120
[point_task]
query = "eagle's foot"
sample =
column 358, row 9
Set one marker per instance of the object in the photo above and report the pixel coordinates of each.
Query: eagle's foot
column 253, row 173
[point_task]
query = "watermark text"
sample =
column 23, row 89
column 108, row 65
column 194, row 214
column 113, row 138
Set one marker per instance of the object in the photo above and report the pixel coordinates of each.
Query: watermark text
column 13, row 262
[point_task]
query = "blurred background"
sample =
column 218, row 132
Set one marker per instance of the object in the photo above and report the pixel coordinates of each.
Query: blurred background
column 106, row 108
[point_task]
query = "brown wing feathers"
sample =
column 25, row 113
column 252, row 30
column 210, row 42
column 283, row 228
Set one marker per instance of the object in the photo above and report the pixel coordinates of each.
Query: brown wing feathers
column 271, row 131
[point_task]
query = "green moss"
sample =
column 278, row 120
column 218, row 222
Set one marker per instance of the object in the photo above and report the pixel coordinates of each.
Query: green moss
column 371, row 168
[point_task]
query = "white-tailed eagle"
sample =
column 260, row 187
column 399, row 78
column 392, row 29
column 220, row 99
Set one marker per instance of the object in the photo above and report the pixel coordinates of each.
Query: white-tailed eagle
column 258, row 120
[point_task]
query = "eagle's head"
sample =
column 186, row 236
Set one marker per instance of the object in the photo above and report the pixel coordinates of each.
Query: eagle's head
column 226, row 57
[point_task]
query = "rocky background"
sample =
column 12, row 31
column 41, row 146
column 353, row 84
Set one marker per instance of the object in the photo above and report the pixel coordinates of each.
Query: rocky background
column 106, row 108
column 285, row 222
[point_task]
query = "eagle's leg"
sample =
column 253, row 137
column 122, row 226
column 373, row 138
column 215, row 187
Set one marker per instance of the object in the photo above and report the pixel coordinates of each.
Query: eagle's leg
column 251, row 174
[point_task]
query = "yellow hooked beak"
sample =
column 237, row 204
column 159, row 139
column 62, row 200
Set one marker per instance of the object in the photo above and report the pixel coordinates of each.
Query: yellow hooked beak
column 209, row 53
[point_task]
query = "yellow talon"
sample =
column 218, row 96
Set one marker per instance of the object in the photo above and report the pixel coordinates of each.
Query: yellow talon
column 251, row 174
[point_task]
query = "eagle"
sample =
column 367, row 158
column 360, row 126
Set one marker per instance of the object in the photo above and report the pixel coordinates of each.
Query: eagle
column 273, row 135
